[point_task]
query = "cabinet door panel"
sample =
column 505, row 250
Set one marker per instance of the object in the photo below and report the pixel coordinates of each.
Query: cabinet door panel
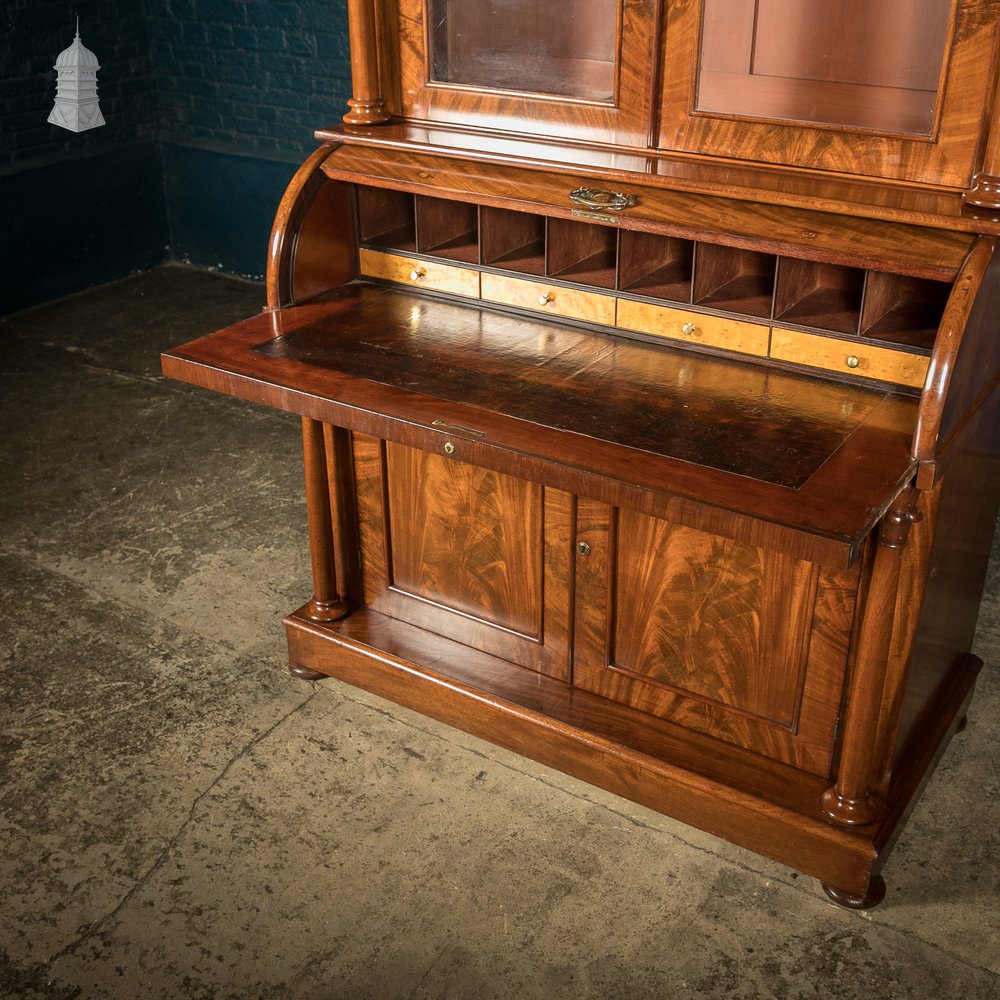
column 579, row 69
column 882, row 90
column 730, row 639
column 469, row 553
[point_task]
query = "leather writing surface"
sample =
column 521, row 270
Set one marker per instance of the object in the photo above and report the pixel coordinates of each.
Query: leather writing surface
column 763, row 424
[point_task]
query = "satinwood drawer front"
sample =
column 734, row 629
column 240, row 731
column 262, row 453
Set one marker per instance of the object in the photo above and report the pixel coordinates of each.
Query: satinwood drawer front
column 572, row 303
column 850, row 357
column 733, row 640
column 694, row 328
column 419, row 273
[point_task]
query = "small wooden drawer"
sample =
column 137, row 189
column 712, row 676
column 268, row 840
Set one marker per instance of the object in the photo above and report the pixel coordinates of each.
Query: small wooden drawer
column 850, row 357
column 693, row 328
column 419, row 273
column 591, row 307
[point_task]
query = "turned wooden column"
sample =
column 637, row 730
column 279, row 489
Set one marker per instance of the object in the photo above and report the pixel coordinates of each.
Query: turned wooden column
column 367, row 105
column 852, row 800
column 327, row 605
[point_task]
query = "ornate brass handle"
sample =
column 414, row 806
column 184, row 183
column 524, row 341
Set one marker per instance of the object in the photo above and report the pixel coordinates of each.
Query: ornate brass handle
column 600, row 200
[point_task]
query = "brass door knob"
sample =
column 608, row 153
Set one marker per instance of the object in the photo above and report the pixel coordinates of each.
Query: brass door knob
column 545, row 298
column 689, row 329
column 852, row 361
column 417, row 273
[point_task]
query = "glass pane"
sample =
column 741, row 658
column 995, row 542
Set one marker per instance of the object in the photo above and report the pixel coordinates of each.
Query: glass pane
column 871, row 64
column 566, row 48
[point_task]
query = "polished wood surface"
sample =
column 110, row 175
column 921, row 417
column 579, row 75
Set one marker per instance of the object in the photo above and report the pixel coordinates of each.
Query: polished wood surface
column 472, row 554
column 756, row 226
column 849, row 356
column 694, row 328
column 418, row 272
column 366, row 103
column 735, row 641
column 870, row 148
column 592, row 112
column 390, row 364
column 852, row 197
column 687, row 489
column 833, row 62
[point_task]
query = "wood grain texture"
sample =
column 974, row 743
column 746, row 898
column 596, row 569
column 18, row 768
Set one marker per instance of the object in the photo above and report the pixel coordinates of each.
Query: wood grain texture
column 418, row 272
column 550, row 403
column 367, row 106
column 694, row 328
column 756, row 226
column 468, row 553
column 853, row 197
column 949, row 160
column 836, row 355
column 327, row 604
column 711, row 634
column 467, row 538
column 765, row 806
column 312, row 243
column 623, row 118
column 854, row 799
column 969, row 496
column 965, row 365
column 542, row 297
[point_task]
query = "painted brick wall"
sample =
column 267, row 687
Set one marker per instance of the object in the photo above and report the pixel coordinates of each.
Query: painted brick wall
column 256, row 76
column 32, row 34
column 210, row 105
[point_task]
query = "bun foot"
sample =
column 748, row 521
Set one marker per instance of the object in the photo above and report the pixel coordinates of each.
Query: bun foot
column 854, row 901
column 305, row 674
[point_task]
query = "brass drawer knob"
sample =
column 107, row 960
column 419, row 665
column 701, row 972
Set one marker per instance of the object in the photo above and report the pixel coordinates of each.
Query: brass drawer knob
column 545, row 298
column 417, row 273
column 449, row 448
column 689, row 329
column 853, row 361
column 583, row 548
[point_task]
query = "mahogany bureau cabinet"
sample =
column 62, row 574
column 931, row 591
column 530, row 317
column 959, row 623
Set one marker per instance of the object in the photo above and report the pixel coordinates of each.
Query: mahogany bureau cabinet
column 647, row 364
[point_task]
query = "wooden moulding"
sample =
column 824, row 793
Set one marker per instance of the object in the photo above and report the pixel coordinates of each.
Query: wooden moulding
column 965, row 364
column 310, row 249
column 759, row 228
column 824, row 519
column 769, row 808
column 775, row 184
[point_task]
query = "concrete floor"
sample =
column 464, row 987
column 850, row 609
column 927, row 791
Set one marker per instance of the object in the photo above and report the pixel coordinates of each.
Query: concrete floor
column 181, row 818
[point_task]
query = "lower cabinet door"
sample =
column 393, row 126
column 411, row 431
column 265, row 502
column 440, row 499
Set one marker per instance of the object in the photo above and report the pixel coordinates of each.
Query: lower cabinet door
column 732, row 640
column 474, row 555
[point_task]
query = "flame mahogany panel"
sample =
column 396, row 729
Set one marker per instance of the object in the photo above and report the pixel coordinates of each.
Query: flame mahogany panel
column 731, row 640
column 465, row 552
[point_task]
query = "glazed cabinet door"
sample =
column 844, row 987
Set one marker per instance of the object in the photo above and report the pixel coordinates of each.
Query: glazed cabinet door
column 732, row 640
column 580, row 69
column 890, row 89
column 468, row 553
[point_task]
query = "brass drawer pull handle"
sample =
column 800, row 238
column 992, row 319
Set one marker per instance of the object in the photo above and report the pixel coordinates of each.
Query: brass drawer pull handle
column 600, row 200
column 417, row 273
column 689, row 329
column 852, row 361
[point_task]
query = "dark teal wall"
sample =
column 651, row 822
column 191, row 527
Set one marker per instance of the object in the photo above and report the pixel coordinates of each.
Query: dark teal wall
column 77, row 209
column 242, row 85
column 210, row 107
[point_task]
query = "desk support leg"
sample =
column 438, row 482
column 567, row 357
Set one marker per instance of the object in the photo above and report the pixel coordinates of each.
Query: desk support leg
column 852, row 801
column 326, row 605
